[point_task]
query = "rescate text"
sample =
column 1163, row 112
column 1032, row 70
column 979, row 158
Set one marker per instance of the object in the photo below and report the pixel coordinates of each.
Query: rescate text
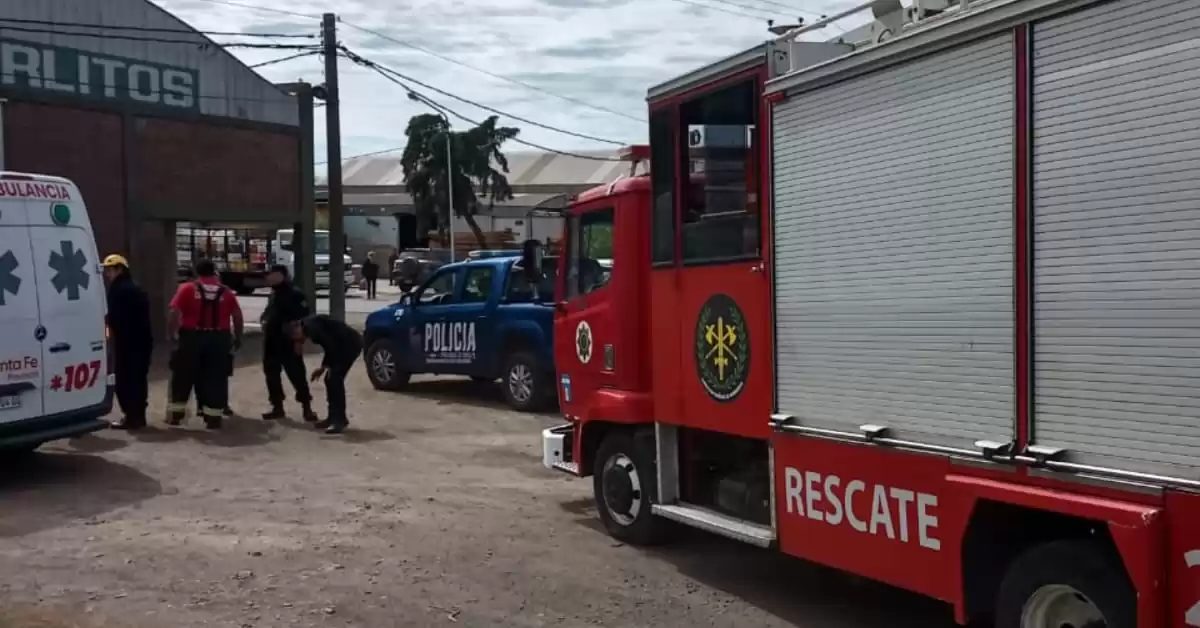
column 897, row 513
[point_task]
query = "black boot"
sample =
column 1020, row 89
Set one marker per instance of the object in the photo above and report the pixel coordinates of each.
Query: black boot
column 276, row 412
column 212, row 423
column 176, row 418
column 309, row 415
column 337, row 427
column 227, row 411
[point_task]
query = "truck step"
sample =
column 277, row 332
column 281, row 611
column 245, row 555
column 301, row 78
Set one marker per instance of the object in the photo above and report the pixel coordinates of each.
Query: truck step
column 567, row 467
column 717, row 523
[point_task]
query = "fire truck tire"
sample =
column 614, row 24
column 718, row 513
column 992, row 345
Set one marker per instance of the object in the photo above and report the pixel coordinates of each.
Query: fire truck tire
column 1066, row 583
column 383, row 366
column 625, row 485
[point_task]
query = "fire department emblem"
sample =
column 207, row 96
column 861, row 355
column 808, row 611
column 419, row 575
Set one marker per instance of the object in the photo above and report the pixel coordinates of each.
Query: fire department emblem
column 583, row 342
column 722, row 348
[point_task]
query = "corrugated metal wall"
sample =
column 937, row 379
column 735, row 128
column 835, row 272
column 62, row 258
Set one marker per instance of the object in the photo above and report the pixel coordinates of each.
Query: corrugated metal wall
column 226, row 87
column 1117, row 224
column 894, row 248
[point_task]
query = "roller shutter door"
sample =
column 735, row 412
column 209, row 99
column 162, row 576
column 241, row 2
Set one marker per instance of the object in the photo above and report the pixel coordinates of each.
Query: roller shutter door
column 1117, row 235
column 894, row 249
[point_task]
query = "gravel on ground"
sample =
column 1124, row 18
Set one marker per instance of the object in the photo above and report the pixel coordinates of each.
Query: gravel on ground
column 433, row 510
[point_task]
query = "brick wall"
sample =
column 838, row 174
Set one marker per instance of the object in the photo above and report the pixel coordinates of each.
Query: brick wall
column 194, row 166
column 84, row 146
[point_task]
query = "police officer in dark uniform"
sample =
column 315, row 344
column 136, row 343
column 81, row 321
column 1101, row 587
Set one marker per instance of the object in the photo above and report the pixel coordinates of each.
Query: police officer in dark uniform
column 129, row 323
column 206, row 325
column 342, row 346
column 286, row 305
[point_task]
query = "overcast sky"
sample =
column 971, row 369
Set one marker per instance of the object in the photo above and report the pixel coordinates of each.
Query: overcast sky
column 601, row 52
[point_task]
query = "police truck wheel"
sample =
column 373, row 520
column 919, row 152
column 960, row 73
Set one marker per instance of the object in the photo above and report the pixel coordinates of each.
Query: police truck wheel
column 625, row 485
column 1066, row 584
column 526, row 383
column 383, row 366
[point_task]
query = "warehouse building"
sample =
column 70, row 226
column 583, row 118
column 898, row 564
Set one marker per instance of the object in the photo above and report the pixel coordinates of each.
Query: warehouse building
column 153, row 121
column 379, row 214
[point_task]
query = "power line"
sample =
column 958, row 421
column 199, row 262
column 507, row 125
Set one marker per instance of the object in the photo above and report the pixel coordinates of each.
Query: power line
column 158, row 40
column 370, row 154
column 298, row 55
column 466, row 101
column 722, row 9
column 787, row 7
column 252, row 7
column 147, row 29
column 582, row 103
column 443, row 108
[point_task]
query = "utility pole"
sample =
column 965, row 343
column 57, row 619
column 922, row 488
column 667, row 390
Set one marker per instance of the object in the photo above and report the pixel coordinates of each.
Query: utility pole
column 333, row 144
column 450, row 184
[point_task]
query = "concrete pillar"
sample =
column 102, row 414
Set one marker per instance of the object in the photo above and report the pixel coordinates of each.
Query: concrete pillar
column 153, row 265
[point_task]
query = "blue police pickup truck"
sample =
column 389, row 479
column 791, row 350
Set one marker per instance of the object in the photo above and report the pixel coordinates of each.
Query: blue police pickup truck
column 483, row 318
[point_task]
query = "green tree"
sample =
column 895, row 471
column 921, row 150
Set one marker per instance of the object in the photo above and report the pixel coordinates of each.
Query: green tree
column 477, row 167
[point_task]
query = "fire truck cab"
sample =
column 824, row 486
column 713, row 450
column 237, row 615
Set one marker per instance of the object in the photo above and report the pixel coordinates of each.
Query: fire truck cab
column 918, row 303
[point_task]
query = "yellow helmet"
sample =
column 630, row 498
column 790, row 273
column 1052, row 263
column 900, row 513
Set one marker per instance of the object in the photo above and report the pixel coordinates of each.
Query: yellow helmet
column 115, row 260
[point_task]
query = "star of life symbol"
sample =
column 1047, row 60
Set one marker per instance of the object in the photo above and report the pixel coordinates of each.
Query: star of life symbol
column 583, row 342
column 721, row 338
column 9, row 282
column 70, row 274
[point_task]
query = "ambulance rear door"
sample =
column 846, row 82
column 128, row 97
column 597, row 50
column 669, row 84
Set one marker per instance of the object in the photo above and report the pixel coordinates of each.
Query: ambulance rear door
column 71, row 296
column 21, row 351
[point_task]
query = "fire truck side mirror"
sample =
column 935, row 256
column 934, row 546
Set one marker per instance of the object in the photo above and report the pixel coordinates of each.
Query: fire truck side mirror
column 532, row 253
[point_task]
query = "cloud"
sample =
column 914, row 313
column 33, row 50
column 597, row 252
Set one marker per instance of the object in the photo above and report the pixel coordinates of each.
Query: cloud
column 603, row 52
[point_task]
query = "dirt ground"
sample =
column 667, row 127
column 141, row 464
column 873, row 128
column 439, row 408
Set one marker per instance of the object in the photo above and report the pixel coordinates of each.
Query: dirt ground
column 433, row 510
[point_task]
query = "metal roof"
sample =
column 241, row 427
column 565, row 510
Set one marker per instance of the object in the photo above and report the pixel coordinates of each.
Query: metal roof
column 526, row 168
column 386, row 204
column 222, row 85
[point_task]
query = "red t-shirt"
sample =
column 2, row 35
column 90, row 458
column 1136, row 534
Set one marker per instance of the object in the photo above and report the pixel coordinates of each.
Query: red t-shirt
column 187, row 301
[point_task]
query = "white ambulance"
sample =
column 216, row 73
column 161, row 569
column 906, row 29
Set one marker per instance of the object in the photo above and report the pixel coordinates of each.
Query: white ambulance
column 54, row 371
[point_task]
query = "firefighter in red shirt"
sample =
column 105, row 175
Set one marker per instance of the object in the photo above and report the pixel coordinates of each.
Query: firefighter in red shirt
column 206, row 325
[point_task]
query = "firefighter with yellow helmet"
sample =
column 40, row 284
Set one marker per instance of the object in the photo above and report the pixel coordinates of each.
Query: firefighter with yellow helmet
column 128, row 323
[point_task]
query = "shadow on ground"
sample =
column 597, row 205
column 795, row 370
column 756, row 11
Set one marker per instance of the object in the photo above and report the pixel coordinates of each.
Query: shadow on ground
column 236, row 431
column 80, row 617
column 353, row 434
column 55, row 488
column 461, row 391
column 794, row 590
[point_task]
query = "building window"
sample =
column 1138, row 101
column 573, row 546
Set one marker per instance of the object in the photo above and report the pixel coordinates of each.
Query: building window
column 720, row 175
column 662, row 180
column 590, row 251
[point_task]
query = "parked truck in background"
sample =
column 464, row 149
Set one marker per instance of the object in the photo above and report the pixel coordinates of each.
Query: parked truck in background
column 944, row 336
column 243, row 255
column 286, row 256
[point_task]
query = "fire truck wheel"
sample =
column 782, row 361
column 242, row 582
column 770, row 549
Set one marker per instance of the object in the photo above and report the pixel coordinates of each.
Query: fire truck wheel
column 527, row 385
column 383, row 366
column 624, row 483
column 1066, row 583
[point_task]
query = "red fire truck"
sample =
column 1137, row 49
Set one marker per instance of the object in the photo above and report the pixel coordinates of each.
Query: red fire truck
column 947, row 337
